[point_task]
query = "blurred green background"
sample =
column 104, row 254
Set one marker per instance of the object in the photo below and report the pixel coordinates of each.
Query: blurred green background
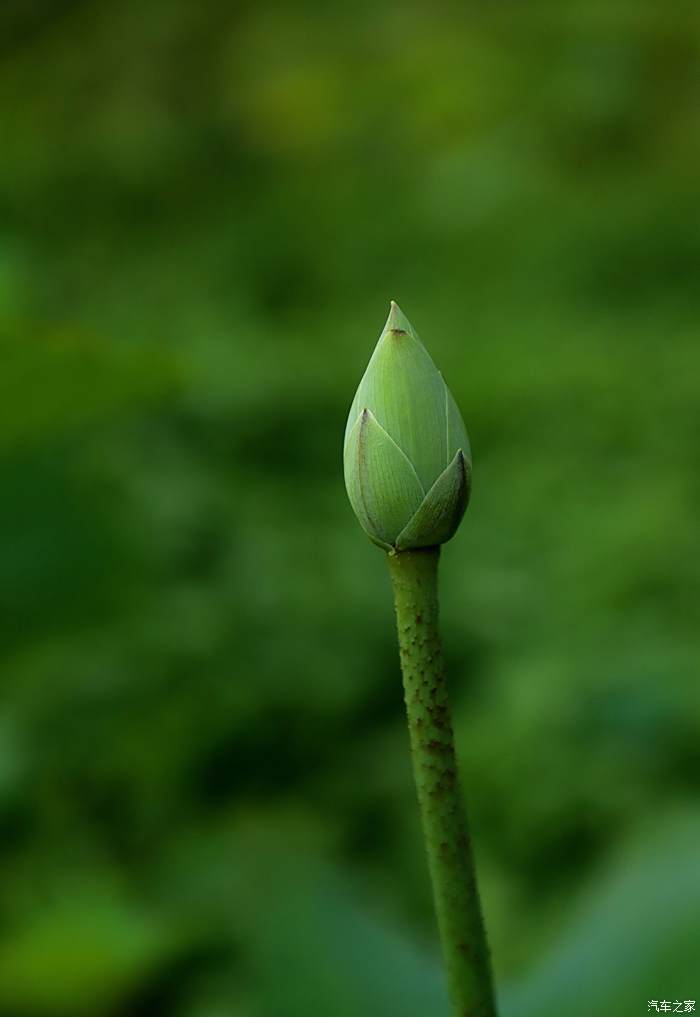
column 206, row 804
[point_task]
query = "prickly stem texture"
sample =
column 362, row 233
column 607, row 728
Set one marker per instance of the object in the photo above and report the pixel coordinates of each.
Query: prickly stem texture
column 414, row 578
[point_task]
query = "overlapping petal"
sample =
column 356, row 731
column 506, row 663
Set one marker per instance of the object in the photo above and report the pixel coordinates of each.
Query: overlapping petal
column 382, row 485
column 440, row 513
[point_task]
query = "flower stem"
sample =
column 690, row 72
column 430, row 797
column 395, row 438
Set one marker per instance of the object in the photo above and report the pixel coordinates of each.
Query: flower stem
column 465, row 951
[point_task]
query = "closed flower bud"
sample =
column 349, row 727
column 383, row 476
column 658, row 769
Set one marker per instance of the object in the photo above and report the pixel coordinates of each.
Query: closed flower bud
column 406, row 455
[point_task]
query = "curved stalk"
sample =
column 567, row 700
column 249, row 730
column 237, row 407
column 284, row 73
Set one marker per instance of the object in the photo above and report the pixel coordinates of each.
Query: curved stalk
column 443, row 817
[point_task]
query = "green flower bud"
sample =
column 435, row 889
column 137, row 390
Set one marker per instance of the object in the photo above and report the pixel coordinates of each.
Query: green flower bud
column 406, row 455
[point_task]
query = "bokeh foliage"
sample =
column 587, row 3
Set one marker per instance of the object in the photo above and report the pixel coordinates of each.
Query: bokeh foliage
column 206, row 806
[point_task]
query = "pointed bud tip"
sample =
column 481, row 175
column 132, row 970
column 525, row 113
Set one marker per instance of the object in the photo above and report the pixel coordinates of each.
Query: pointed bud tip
column 397, row 320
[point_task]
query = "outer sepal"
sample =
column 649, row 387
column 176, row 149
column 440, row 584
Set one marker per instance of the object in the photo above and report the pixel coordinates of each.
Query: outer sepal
column 382, row 485
column 436, row 519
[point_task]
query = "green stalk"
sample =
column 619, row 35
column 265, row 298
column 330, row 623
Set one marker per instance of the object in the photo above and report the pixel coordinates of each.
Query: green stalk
column 443, row 817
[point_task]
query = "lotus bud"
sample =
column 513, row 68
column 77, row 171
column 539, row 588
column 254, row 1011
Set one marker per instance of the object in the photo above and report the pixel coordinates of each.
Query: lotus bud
column 406, row 455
